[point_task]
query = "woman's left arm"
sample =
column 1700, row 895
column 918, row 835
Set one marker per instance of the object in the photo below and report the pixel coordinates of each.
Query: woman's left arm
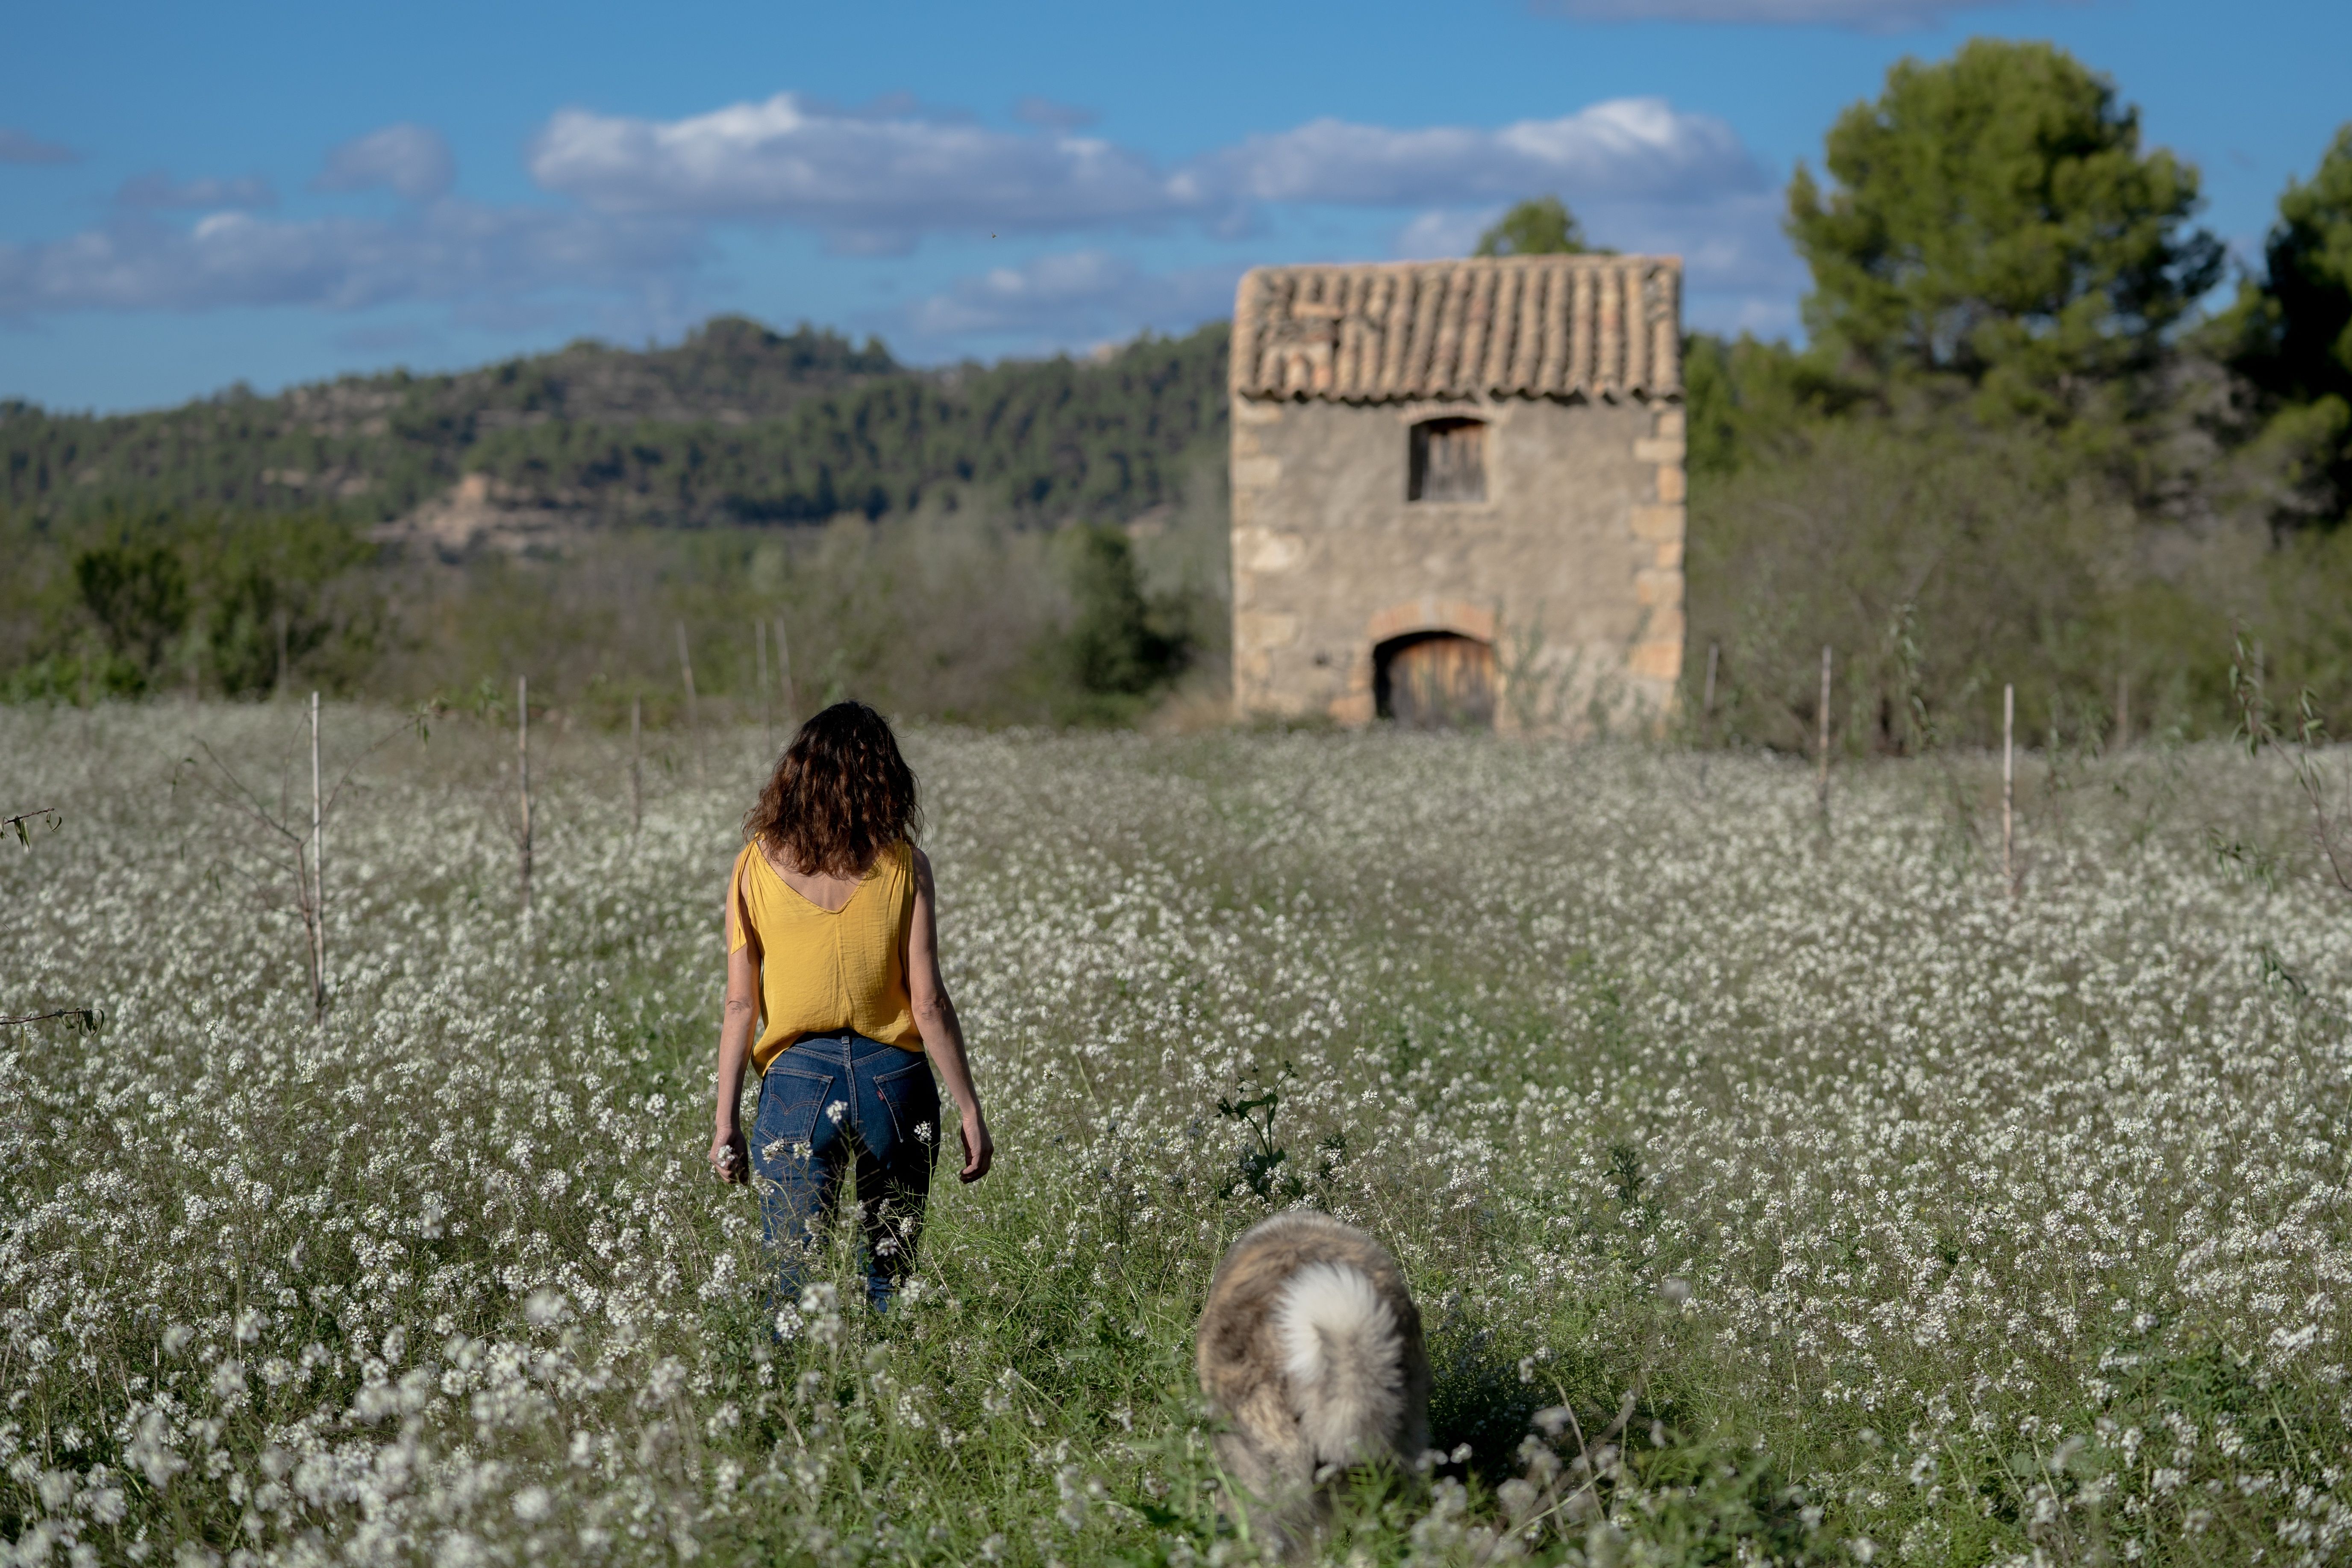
column 935, row 1015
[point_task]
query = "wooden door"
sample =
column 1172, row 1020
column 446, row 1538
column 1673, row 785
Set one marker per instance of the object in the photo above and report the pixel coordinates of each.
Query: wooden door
column 1437, row 681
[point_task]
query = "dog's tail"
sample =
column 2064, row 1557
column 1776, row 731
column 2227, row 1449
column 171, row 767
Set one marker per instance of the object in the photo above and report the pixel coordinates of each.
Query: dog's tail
column 1343, row 1350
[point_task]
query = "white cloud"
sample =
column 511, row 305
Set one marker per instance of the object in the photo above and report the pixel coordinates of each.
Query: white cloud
column 1072, row 298
column 871, row 183
column 1862, row 15
column 1033, row 110
column 410, row 161
column 158, row 190
column 1442, row 232
column 1738, row 269
column 24, row 147
column 1627, row 146
column 452, row 252
column 1640, row 175
column 646, row 196
column 876, row 181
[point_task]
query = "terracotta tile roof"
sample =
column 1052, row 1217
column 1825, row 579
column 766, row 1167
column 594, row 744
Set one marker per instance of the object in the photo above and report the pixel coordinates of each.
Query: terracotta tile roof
column 1529, row 326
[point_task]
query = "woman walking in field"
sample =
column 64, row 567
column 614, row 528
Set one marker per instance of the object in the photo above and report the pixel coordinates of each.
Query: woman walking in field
column 832, row 940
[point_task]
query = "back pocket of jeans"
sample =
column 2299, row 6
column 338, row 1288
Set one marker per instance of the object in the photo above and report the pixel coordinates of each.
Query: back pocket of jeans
column 790, row 1100
column 912, row 1099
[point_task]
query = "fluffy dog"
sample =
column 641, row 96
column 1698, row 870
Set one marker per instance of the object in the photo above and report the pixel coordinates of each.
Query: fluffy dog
column 1310, row 1348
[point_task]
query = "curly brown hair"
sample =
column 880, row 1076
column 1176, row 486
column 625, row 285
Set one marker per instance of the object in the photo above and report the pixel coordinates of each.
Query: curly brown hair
column 840, row 794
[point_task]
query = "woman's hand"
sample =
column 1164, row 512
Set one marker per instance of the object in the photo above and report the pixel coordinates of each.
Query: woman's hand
column 979, row 1147
column 731, row 1157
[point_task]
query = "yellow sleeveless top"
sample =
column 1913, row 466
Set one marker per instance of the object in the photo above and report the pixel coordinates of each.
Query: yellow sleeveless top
column 820, row 972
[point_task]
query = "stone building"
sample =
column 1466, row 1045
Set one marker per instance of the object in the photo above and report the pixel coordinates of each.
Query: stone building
column 1457, row 491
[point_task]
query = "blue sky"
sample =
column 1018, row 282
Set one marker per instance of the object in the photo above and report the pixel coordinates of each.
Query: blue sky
column 196, row 196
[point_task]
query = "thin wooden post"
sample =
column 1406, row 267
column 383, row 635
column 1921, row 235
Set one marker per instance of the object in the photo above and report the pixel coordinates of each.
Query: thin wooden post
column 278, row 689
column 1706, row 713
column 693, row 708
column 2009, row 788
column 2123, row 710
column 767, row 709
column 318, row 873
column 1823, row 743
column 636, row 764
column 686, row 668
column 784, row 674
column 523, row 769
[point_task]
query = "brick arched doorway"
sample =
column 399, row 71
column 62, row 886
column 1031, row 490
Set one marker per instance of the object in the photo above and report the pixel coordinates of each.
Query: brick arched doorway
column 1434, row 681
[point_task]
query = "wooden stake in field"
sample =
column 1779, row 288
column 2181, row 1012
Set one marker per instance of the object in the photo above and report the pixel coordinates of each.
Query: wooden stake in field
column 636, row 764
column 2123, row 710
column 1825, row 739
column 1706, row 712
column 767, row 709
column 2009, row 788
column 318, row 890
column 693, row 708
column 784, row 674
column 686, row 668
column 522, row 770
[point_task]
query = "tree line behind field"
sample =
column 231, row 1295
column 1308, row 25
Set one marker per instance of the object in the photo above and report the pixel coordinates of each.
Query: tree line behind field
column 2024, row 444
column 1024, row 541
column 2043, row 432
column 736, row 424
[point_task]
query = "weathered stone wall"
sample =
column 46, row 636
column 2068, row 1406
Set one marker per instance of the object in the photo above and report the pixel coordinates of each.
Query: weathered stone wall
column 1571, row 567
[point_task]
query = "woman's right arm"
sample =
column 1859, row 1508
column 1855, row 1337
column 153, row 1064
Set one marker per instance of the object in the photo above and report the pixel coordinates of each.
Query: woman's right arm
column 730, row 1155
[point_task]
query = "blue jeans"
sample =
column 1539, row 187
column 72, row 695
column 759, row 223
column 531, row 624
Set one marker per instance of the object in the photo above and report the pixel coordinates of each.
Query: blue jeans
column 825, row 1102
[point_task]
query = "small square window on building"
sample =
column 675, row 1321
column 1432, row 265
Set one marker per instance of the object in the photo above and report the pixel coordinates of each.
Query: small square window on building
column 1449, row 460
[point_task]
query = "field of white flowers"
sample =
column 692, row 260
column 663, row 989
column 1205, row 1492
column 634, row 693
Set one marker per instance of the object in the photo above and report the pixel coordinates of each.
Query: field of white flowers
column 1911, row 1221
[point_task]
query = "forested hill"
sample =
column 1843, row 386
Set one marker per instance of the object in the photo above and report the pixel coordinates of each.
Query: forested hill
column 736, row 424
